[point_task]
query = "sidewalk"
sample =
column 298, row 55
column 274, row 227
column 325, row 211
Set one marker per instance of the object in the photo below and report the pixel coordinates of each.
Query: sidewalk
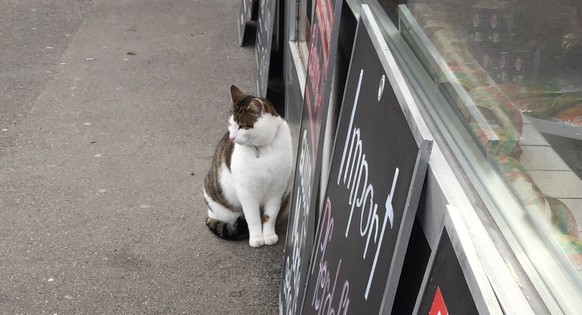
column 109, row 121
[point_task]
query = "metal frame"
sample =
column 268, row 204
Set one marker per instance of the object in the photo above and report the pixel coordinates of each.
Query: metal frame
column 421, row 136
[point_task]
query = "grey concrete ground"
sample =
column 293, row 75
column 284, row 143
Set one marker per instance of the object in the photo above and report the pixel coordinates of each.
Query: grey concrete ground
column 109, row 115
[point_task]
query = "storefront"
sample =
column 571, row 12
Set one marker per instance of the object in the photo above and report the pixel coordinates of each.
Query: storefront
column 490, row 93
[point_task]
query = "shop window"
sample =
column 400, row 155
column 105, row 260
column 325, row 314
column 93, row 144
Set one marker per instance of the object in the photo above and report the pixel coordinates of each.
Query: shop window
column 511, row 71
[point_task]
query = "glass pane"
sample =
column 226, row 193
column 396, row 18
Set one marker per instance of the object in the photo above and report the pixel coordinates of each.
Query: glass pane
column 512, row 70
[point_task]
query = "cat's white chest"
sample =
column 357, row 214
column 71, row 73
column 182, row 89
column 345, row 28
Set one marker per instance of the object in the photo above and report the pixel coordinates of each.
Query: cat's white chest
column 253, row 162
column 263, row 171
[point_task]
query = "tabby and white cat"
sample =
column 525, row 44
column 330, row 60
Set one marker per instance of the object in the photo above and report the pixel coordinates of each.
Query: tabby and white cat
column 248, row 182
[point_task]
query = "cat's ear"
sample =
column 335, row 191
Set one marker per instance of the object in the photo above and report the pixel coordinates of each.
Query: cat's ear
column 236, row 94
column 256, row 105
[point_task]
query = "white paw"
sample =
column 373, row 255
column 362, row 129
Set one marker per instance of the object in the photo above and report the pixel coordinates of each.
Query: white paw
column 256, row 242
column 271, row 239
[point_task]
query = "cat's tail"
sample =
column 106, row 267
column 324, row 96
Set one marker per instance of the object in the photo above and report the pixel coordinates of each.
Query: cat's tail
column 228, row 231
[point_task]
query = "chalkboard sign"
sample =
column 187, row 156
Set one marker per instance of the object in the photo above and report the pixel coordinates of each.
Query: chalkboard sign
column 248, row 13
column 377, row 173
column 301, row 228
column 455, row 282
column 447, row 291
column 264, row 40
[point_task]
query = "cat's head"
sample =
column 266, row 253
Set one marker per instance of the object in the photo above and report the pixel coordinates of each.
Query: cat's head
column 253, row 120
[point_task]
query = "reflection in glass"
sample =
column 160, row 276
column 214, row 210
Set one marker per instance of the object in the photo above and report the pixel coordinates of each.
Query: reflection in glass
column 519, row 67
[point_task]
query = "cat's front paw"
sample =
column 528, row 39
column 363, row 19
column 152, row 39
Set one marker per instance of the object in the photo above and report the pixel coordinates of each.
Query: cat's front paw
column 271, row 239
column 256, row 242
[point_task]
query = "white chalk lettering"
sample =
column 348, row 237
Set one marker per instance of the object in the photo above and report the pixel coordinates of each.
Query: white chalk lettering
column 390, row 214
column 353, row 173
column 298, row 231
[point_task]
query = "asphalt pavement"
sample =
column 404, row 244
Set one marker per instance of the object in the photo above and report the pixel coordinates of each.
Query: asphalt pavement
column 109, row 115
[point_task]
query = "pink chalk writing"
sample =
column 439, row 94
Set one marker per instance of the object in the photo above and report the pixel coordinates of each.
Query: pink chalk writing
column 324, row 299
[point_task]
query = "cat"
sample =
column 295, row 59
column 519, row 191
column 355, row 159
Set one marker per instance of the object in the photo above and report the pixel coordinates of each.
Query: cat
column 249, row 180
